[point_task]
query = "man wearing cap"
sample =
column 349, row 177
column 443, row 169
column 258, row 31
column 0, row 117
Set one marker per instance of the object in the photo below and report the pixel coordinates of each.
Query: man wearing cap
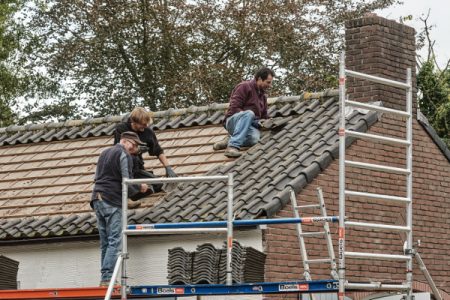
column 138, row 122
column 114, row 164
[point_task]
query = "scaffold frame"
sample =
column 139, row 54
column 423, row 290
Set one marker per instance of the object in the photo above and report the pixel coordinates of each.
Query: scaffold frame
column 407, row 256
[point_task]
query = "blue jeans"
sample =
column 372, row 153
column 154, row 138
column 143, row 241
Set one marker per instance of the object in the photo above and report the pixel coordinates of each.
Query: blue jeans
column 241, row 130
column 109, row 223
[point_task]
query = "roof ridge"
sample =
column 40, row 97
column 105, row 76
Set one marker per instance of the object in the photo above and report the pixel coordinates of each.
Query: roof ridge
column 161, row 114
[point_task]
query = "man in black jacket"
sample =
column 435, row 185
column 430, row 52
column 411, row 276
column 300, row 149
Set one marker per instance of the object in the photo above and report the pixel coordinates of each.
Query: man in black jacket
column 114, row 164
column 138, row 122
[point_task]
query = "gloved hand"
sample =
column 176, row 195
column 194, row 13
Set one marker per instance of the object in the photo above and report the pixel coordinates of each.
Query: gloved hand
column 265, row 124
column 170, row 172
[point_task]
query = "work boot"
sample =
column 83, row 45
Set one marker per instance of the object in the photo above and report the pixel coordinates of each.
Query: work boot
column 220, row 145
column 232, row 152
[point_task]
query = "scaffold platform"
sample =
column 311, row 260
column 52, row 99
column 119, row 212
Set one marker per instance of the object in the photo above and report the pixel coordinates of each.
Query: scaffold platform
column 158, row 291
column 318, row 286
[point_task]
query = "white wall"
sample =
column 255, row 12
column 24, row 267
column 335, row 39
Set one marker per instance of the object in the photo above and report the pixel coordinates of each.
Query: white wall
column 76, row 264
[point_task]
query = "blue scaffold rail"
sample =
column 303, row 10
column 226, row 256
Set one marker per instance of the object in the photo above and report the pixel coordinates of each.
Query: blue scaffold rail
column 317, row 286
column 236, row 223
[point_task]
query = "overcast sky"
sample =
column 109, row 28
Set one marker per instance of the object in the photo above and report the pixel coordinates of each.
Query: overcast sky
column 439, row 17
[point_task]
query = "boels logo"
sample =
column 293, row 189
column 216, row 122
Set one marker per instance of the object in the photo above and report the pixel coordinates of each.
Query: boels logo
column 170, row 291
column 293, row 287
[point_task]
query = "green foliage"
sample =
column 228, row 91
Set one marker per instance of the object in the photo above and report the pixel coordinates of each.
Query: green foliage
column 19, row 80
column 8, row 81
column 114, row 55
column 434, row 97
column 59, row 110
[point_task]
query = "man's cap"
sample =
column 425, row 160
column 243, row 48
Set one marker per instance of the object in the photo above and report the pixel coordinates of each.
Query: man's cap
column 130, row 135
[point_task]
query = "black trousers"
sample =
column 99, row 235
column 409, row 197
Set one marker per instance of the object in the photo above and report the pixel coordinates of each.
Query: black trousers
column 154, row 188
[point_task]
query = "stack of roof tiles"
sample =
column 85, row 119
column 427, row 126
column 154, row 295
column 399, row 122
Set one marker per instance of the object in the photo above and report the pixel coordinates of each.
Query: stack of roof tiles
column 8, row 273
column 247, row 262
column 204, row 268
column 207, row 265
column 179, row 266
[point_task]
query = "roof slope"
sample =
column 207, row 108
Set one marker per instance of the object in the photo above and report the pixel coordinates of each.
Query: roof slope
column 292, row 157
column 46, row 185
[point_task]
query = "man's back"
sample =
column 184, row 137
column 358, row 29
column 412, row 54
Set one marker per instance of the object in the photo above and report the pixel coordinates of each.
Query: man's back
column 108, row 176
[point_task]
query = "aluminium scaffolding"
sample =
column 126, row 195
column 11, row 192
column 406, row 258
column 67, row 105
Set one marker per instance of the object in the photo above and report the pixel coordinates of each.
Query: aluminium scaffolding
column 213, row 226
column 407, row 256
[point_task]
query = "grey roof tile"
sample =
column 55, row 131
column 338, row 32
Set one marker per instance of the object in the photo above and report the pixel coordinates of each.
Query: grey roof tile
column 11, row 139
column 160, row 124
column 173, row 123
column 25, row 137
column 298, row 182
column 202, row 212
column 186, row 121
column 200, row 120
column 311, row 171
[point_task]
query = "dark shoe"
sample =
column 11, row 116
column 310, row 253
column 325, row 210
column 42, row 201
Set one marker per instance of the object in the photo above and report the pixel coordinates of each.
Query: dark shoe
column 232, row 152
column 220, row 145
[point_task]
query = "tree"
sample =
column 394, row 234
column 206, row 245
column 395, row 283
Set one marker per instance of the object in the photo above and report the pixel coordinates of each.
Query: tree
column 8, row 82
column 433, row 83
column 116, row 54
column 19, row 82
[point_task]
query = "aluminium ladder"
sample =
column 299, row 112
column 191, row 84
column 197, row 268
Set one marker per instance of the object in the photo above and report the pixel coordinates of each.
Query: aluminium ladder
column 407, row 256
column 325, row 233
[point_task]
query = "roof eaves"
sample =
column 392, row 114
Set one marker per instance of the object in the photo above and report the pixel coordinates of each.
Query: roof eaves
column 433, row 134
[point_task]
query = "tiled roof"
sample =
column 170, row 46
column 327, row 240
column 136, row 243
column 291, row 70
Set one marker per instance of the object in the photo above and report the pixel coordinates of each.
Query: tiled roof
column 45, row 186
column 292, row 157
column 163, row 120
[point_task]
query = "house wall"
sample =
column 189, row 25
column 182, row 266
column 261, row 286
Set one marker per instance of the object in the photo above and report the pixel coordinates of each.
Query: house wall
column 431, row 211
column 76, row 264
column 378, row 47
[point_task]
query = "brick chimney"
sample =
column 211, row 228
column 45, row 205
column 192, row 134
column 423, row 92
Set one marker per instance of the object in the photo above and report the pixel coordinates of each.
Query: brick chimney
column 381, row 47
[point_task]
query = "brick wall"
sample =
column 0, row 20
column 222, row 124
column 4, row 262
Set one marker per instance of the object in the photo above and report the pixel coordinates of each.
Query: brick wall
column 430, row 218
column 378, row 47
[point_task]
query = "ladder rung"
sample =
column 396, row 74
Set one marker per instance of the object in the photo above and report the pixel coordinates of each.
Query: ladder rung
column 318, row 261
column 379, row 138
column 377, row 256
column 377, row 79
column 377, row 196
column 308, row 206
column 376, row 108
column 377, row 226
column 312, row 234
column 375, row 285
column 377, row 167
